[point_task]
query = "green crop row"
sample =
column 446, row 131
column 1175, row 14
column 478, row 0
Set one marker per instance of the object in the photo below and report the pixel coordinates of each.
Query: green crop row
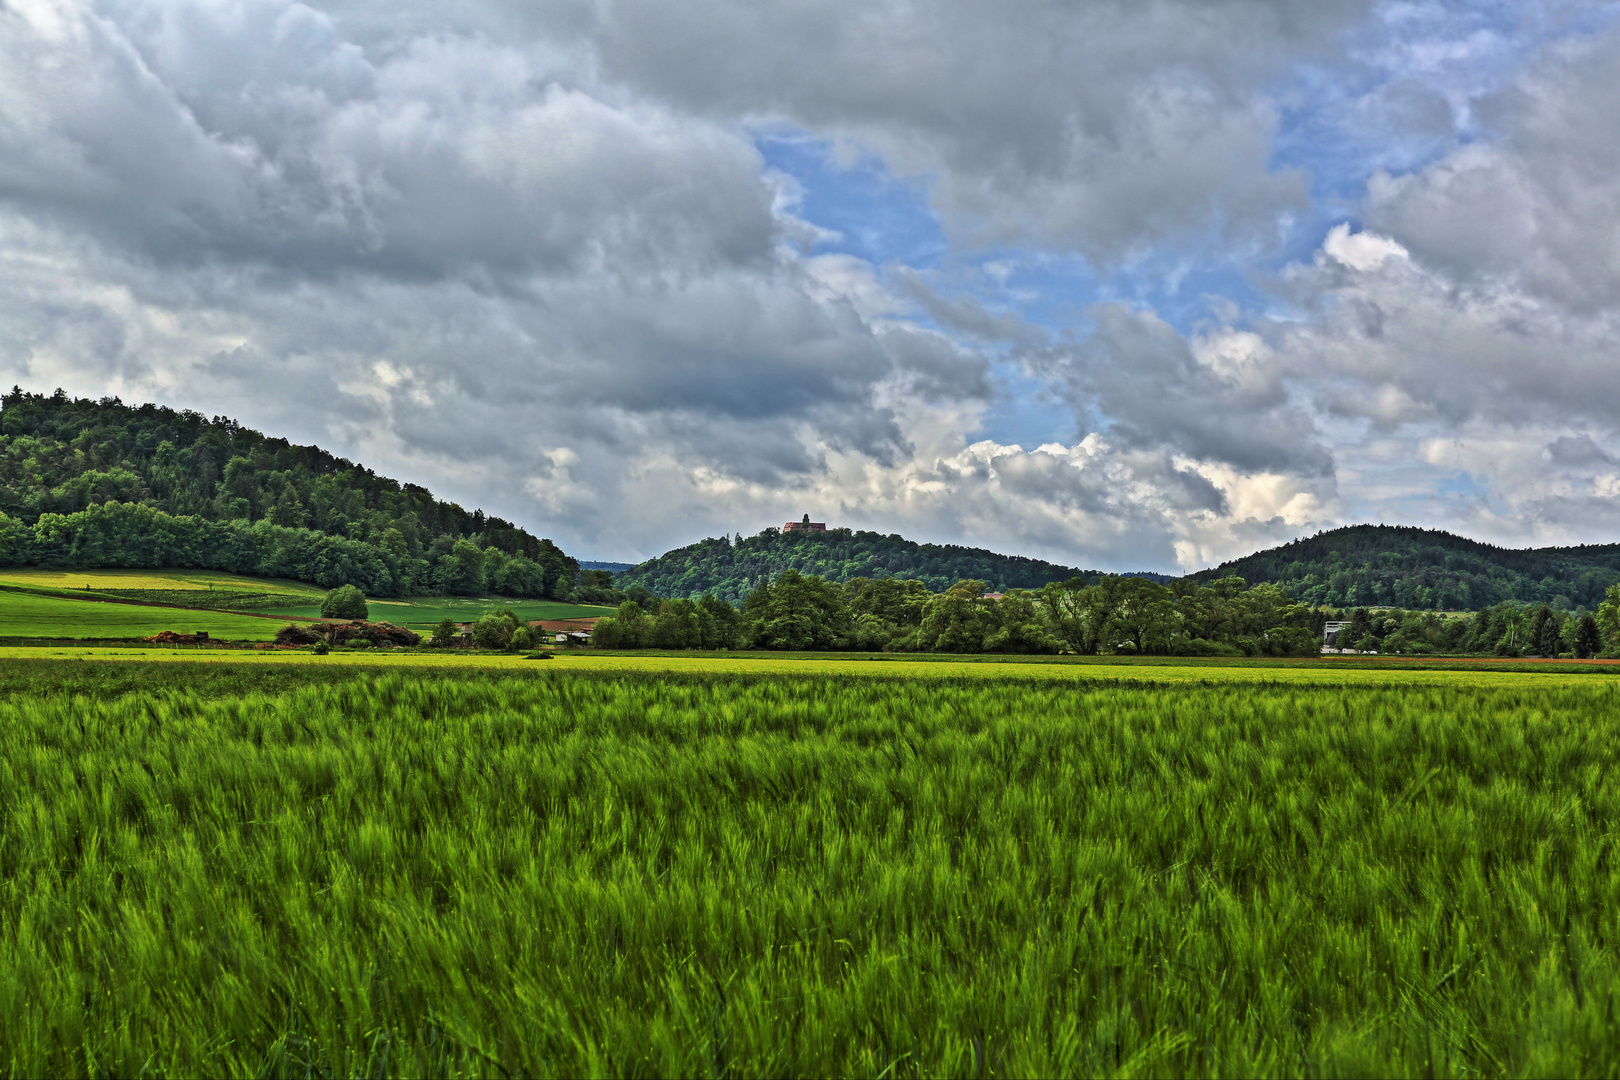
column 212, row 599
column 26, row 614
column 561, row 873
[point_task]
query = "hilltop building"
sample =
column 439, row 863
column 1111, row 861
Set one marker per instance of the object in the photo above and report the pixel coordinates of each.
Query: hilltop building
column 805, row 526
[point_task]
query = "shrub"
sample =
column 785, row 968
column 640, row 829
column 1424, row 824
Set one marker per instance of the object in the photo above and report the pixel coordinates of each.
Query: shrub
column 344, row 602
column 372, row 633
column 297, row 634
column 445, row 634
column 495, row 629
column 608, row 634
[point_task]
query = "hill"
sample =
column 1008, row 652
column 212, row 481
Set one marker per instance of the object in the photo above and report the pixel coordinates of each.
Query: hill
column 732, row 568
column 103, row 484
column 1399, row 566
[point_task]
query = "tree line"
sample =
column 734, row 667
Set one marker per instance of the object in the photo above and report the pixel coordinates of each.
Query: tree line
column 1114, row 615
column 133, row 535
column 1507, row 629
column 101, row 483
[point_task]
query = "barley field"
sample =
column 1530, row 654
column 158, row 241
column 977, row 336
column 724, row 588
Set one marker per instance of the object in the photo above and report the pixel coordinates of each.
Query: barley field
column 279, row 869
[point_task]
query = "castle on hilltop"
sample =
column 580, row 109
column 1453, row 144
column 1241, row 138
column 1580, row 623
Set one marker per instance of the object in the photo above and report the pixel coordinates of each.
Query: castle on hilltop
column 805, row 526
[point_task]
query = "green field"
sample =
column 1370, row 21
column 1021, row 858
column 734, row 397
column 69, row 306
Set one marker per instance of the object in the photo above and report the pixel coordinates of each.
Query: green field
column 419, row 612
column 593, row 866
column 208, row 589
column 37, row 577
column 29, row 615
column 32, row 604
column 1384, row 672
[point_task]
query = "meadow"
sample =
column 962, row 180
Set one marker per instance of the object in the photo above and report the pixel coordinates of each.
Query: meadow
column 183, row 580
column 1135, row 670
column 44, row 603
column 30, row 615
column 425, row 612
column 214, row 589
column 486, row 866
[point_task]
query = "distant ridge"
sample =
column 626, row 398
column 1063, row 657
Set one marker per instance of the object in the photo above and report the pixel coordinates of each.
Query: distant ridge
column 732, row 568
column 1403, row 566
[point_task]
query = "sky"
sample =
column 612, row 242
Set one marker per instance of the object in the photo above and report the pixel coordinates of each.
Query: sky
column 1123, row 284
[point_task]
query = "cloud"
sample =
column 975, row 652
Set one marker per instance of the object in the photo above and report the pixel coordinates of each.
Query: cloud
column 189, row 131
column 456, row 209
column 531, row 256
column 1399, row 342
column 1578, row 450
column 485, row 265
column 1535, row 206
column 1101, row 127
column 1211, row 401
column 1360, row 251
column 1477, row 403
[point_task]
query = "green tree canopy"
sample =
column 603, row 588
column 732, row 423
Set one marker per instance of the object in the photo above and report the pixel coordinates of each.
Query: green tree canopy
column 100, row 483
column 497, row 629
column 731, row 568
column 344, row 602
column 1401, row 567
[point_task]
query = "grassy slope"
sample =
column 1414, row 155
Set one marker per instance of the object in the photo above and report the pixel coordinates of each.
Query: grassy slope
column 29, row 615
column 663, row 875
column 427, row 611
column 46, row 614
column 204, row 590
column 166, row 580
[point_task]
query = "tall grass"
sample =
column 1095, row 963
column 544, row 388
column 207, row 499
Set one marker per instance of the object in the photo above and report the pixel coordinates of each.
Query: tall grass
column 560, row 874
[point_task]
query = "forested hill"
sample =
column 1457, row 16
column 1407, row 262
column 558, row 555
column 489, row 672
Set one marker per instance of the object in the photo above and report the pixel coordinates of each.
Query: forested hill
column 1398, row 566
column 731, row 569
column 99, row 483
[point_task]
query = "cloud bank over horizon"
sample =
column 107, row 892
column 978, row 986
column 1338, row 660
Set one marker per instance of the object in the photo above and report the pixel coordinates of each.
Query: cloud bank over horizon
column 1125, row 285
